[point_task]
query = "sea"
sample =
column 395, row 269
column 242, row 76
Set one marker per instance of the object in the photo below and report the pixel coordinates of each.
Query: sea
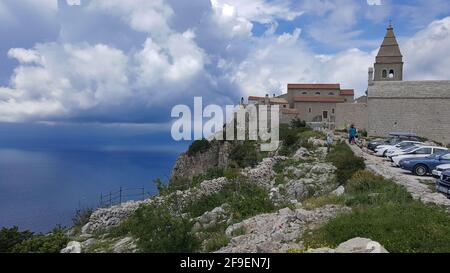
column 42, row 186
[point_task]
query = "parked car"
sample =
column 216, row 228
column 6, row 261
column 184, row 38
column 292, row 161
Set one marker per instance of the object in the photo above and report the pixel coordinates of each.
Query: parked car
column 443, row 184
column 437, row 172
column 417, row 152
column 390, row 152
column 394, row 139
column 383, row 150
column 424, row 166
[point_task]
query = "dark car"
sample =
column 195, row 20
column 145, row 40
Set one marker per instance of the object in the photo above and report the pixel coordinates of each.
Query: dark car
column 394, row 140
column 424, row 166
column 443, row 184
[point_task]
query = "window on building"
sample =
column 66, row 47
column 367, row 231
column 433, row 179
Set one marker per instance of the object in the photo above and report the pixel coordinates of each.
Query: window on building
column 318, row 93
column 391, row 74
column 332, row 110
column 284, row 105
column 384, row 73
column 331, row 94
column 305, row 93
column 325, row 114
column 310, row 110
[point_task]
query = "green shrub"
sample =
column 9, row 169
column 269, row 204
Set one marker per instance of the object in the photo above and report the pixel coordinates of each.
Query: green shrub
column 293, row 138
column 198, row 146
column 281, row 165
column 48, row 243
column 9, row 237
column 81, row 218
column 213, row 173
column 245, row 200
column 298, row 123
column 179, row 184
column 245, row 154
column 159, row 231
column 290, row 138
column 345, row 161
column 363, row 133
column 216, row 242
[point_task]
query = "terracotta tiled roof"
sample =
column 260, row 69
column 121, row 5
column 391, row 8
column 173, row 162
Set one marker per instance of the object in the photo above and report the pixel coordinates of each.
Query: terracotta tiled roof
column 255, row 98
column 318, row 99
column 278, row 101
column 289, row 111
column 336, row 86
column 347, row 92
column 271, row 100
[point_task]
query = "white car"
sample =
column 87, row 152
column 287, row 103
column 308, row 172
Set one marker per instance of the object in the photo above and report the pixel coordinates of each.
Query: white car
column 417, row 152
column 440, row 169
column 384, row 150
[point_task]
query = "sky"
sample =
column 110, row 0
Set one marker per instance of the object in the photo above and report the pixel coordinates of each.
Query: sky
column 83, row 64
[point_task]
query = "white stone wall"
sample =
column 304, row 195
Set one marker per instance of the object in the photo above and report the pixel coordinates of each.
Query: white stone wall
column 351, row 113
column 317, row 109
column 422, row 107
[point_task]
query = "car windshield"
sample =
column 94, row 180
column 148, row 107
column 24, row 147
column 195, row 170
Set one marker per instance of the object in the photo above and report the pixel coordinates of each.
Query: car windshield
column 393, row 141
column 407, row 144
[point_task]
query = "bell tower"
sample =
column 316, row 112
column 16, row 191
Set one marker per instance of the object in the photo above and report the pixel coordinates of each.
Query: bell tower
column 389, row 61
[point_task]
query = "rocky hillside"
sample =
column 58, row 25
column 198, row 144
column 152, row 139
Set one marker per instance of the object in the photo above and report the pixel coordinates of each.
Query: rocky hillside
column 301, row 199
column 247, row 204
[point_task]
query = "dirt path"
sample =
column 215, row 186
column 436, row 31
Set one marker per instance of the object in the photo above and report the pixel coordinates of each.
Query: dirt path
column 421, row 188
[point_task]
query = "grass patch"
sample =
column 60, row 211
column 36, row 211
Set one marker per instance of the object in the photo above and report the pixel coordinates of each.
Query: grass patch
column 295, row 137
column 320, row 201
column 245, row 200
column 216, row 242
column 385, row 212
column 281, row 165
column 81, row 218
column 214, row 173
column 343, row 158
column 159, row 231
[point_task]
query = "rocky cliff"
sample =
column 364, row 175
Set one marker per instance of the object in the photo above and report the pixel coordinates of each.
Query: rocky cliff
column 286, row 182
column 188, row 166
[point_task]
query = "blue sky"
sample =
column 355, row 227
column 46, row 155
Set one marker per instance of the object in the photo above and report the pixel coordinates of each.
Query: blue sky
column 120, row 63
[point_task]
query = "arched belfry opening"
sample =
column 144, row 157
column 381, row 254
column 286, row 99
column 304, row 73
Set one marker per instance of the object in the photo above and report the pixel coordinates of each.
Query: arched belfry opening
column 389, row 60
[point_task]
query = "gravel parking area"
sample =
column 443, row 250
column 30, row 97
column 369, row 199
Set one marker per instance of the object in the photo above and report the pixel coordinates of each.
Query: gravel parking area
column 421, row 188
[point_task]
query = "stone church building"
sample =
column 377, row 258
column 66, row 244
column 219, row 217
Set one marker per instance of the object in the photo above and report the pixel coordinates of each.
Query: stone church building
column 390, row 105
column 421, row 107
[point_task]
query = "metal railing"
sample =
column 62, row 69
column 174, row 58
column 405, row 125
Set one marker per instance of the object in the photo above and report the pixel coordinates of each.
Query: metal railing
column 122, row 195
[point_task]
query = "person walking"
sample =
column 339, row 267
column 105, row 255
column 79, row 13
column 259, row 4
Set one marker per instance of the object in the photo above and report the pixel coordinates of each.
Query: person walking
column 330, row 140
column 352, row 133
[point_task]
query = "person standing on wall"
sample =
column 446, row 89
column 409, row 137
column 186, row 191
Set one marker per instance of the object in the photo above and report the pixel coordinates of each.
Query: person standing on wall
column 352, row 134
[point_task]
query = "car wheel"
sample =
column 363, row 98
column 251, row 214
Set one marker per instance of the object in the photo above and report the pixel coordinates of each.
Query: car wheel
column 420, row 170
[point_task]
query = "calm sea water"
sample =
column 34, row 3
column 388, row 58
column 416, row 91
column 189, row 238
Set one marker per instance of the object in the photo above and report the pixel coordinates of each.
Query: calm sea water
column 40, row 189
